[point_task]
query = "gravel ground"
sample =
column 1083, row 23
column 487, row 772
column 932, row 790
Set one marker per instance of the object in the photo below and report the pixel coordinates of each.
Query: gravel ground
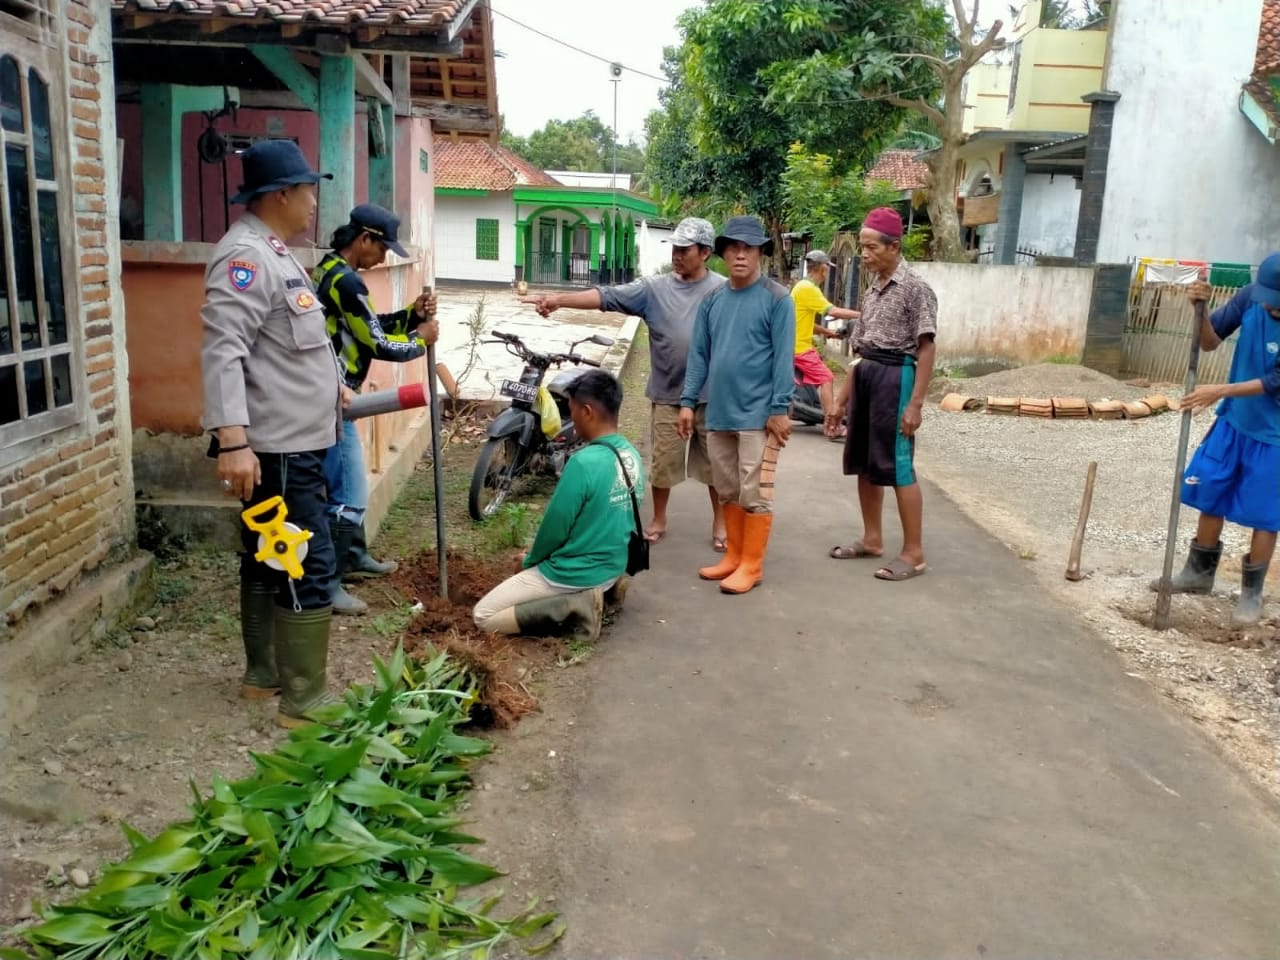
column 1023, row 477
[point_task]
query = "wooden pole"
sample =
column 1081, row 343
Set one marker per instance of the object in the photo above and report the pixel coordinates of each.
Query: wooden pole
column 1077, row 542
column 1165, row 592
column 436, row 478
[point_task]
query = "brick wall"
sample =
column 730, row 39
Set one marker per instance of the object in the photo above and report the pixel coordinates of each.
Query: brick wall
column 66, row 507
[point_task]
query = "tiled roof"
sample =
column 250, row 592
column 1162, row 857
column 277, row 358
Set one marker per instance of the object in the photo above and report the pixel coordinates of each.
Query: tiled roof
column 1264, row 85
column 426, row 15
column 476, row 165
column 900, row 168
column 1269, row 35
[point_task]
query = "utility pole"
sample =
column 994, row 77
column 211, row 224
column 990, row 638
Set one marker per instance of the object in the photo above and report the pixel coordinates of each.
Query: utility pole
column 615, row 77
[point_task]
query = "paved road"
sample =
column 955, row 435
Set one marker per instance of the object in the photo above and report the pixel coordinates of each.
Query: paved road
column 837, row 767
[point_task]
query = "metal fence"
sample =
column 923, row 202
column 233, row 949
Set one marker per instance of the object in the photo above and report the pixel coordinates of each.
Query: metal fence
column 557, row 268
column 1157, row 336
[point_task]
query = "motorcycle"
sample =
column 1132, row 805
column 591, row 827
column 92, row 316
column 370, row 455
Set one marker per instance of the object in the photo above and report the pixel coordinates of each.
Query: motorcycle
column 806, row 403
column 518, row 444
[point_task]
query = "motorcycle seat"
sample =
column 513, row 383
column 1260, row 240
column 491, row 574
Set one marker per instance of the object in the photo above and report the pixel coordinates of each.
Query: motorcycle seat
column 559, row 385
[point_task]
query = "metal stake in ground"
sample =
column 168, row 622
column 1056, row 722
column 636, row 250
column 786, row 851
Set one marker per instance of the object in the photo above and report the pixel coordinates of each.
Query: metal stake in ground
column 1164, row 593
column 436, row 479
column 1077, row 542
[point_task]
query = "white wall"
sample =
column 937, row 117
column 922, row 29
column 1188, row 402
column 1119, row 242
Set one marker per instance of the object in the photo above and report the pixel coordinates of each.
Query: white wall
column 455, row 254
column 1010, row 314
column 1189, row 176
column 654, row 253
column 1050, row 208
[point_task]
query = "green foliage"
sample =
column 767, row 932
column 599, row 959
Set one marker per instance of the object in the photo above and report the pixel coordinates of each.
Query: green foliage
column 342, row 844
column 513, row 525
column 819, row 198
column 915, row 245
column 755, row 76
column 583, row 143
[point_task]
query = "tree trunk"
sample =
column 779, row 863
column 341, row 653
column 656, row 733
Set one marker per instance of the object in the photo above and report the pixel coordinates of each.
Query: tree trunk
column 943, row 167
column 773, row 225
column 947, row 245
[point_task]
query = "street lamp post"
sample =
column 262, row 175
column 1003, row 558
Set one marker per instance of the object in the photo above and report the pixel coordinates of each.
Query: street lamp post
column 615, row 77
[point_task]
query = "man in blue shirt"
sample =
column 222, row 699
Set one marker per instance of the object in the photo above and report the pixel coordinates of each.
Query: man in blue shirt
column 1235, row 473
column 741, row 351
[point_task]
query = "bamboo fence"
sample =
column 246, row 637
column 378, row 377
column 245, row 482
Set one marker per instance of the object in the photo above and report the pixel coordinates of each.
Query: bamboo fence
column 1157, row 336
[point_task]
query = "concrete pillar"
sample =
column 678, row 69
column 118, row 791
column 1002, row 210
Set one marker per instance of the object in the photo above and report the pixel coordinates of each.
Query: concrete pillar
column 521, row 226
column 593, row 245
column 1013, row 181
column 161, row 164
column 1093, row 186
column 337, row 140
column 163, row 105
column 382, row 170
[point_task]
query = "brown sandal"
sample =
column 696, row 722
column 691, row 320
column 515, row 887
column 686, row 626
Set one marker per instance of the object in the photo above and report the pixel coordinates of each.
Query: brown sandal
column 854, row 551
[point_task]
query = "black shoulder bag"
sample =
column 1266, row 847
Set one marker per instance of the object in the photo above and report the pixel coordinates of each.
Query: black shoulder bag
column 637, row 545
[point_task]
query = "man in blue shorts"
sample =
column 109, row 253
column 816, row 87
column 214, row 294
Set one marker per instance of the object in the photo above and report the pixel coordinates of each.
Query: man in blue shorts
column 1235, row 473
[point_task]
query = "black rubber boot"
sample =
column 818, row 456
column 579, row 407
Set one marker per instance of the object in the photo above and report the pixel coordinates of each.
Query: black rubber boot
column 574, row 615
column 302, row 657
column 257, row 628
column 361, row 565
column 1249, row 606
column 342, row 602
column 1198, row 572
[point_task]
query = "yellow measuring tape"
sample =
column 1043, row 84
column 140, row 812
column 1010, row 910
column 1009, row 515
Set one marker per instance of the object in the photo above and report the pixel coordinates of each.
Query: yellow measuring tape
column 281, row 545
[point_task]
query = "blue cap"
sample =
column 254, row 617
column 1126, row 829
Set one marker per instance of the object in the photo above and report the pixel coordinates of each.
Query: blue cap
column 1266, row 289
column 748, row 230
column 379, row 222
column 271, row 165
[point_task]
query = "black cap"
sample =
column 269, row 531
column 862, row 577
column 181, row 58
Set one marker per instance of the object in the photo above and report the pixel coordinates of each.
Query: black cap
column 271, row 165
column 380, row 223
column 748, row 230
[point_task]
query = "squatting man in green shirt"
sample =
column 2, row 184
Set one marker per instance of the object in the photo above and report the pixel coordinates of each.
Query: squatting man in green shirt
column 580, row 550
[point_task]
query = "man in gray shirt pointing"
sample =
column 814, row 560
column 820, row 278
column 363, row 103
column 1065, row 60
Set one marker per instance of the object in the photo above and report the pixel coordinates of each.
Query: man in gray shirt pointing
column 668, row 304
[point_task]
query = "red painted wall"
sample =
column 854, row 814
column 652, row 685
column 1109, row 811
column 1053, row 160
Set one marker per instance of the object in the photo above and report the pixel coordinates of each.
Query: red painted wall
column 297, row 124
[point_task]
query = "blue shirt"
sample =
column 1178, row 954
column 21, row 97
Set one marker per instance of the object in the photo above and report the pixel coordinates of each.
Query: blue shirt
column 742, row 351
column 1257, row 357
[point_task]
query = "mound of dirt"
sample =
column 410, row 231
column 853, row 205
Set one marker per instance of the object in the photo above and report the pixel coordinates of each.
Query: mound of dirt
column 499, row 663
column 1049, row 380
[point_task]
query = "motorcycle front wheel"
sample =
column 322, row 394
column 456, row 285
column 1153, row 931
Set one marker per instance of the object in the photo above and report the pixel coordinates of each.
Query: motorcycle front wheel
column 493, row 477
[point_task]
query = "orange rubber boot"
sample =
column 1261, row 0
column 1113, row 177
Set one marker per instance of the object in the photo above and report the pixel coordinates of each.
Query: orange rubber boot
column 734, row 518
column 755, row 540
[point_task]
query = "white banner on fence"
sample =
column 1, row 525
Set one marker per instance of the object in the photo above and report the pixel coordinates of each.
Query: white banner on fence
column 1171, row 273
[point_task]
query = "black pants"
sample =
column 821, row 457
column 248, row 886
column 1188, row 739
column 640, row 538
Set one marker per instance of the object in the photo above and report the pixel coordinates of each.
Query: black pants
column 299, row 478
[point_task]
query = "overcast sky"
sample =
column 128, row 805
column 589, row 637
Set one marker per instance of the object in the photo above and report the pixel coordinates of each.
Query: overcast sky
column 539, row 80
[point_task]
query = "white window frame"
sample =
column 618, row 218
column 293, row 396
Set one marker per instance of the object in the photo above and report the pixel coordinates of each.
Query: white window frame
column 36, row 41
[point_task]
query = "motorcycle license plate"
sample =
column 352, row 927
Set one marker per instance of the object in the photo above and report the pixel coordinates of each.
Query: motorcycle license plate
column 519, row 391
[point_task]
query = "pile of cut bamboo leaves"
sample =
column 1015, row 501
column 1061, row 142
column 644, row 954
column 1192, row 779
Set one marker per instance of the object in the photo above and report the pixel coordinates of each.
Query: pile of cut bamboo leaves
column 343, row 845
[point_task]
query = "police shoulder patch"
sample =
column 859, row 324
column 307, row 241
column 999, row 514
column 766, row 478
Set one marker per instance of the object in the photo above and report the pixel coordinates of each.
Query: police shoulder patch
column 305, row 300
column 293, row 283
column 242, row 274
column 276, row 244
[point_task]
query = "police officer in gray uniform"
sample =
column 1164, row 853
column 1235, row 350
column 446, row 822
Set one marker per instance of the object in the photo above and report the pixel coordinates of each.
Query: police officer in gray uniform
column 272, row 399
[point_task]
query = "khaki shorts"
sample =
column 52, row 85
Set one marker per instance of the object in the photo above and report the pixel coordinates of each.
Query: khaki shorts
column 744, row 464
column 673, row 458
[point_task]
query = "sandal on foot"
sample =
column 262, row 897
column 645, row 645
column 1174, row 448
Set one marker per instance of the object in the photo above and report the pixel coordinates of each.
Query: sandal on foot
column 854, row 551
column 898, row 569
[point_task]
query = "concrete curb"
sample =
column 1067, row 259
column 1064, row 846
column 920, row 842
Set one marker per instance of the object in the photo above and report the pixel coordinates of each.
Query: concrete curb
column 617, row 356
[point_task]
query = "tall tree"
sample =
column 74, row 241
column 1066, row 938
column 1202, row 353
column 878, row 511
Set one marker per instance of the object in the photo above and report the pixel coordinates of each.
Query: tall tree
column 582, row 144
column 948, row 56
column 744, row 89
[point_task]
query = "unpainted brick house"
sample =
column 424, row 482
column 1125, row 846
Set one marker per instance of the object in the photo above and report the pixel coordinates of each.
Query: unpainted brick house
column 66, row 490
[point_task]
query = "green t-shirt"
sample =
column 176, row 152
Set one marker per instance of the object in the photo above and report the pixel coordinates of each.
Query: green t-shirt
column 582, row 541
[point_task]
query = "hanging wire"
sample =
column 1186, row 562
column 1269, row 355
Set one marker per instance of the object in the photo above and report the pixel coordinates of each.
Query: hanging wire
column 831, row 101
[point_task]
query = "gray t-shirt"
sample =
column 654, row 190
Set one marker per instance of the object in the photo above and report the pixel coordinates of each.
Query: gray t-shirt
column 669, row 306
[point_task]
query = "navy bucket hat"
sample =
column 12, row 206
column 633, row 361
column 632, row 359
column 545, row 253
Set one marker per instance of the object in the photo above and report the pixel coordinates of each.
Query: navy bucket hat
column 748, row 230
column 1266, row 289
column 271, row 165
column 380, row 223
